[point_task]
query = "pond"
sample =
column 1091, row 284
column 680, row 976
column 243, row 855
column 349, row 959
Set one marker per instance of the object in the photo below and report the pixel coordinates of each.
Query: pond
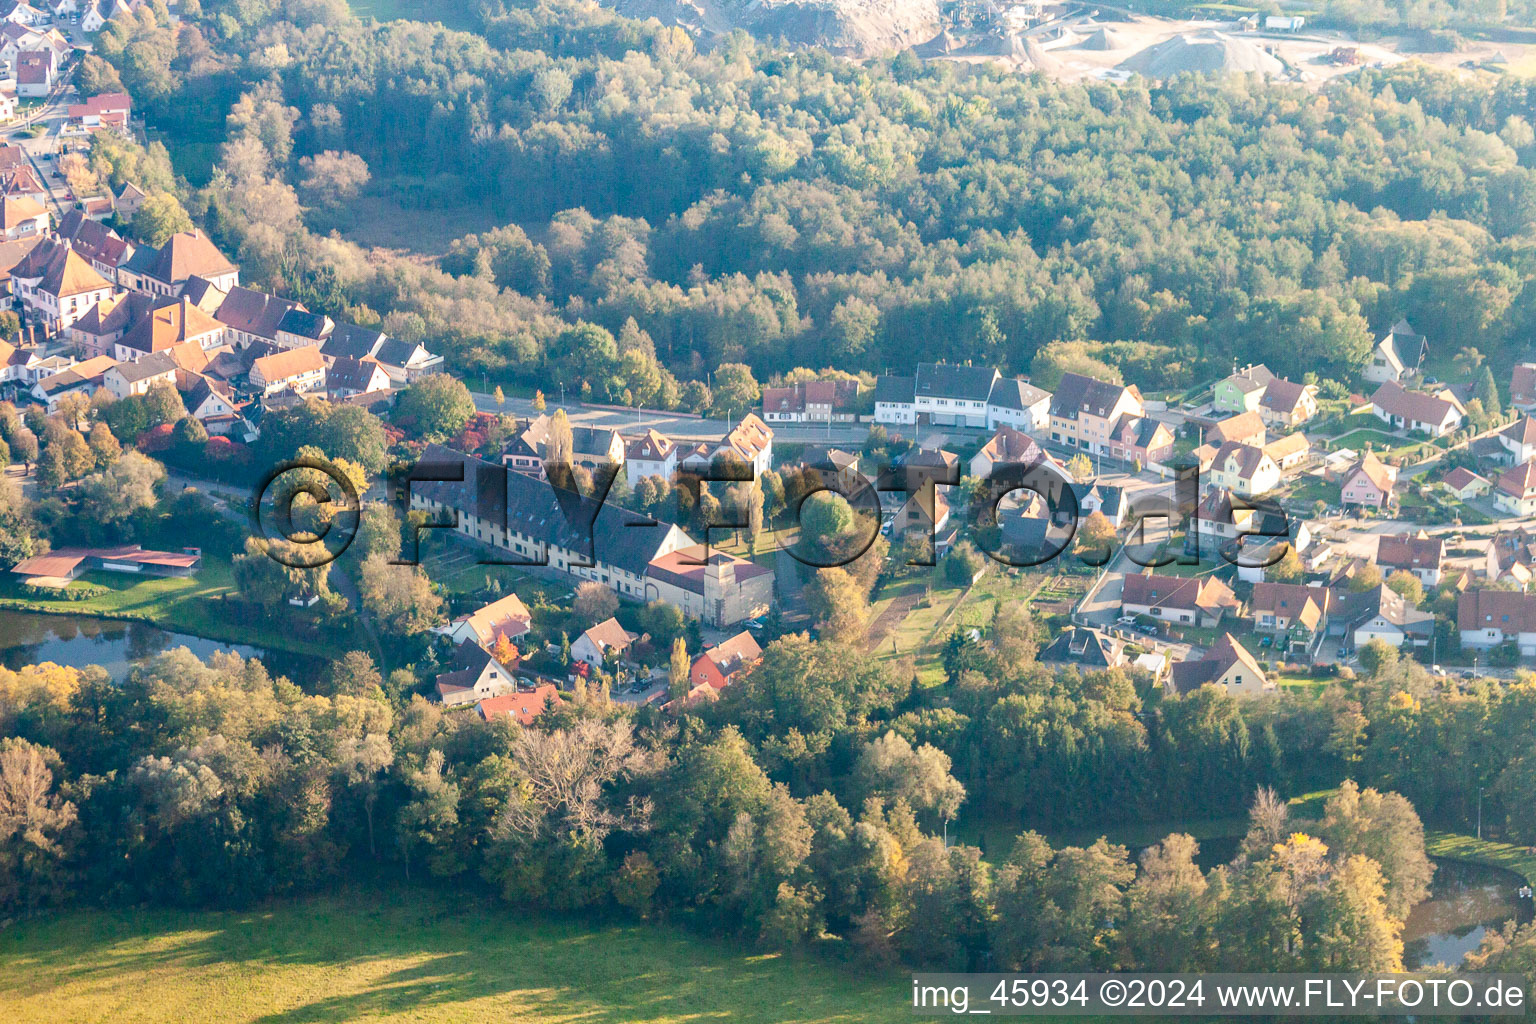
column 27, row 638
column 1465, row 901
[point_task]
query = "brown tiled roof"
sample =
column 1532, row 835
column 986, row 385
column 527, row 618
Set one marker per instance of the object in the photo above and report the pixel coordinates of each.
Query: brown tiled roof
column 609, row 633
column 1379, row 475
column 283, row 365
column 1414, row 406
column 681, row 568
column 13, row 212
column 1506, row 610
column 650, row 446
column 1186, row 592
column 1008, row 445
column 1236, row 428
column 1284, row 447
column 1522, row 431
column 1519, row 481
column 1401, row 551
column 508, row 617
column 739, row 652
column 171, row 324
column 524, row 706
column 188, row 253
column 1460, row 477
column 1522, row 384
column 1249, row 459
column 1283, row 395
column 1225, row 653
column 1075, row 392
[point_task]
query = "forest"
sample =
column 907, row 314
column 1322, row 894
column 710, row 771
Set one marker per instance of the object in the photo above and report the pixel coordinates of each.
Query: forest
column 801, row 211
column 804, row 808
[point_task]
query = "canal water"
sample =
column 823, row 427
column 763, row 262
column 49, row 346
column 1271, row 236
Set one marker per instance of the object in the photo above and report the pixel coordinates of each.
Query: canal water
column 27, row 638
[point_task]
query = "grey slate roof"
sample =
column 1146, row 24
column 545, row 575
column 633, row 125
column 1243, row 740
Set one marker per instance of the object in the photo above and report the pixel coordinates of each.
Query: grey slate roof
column 946, row 380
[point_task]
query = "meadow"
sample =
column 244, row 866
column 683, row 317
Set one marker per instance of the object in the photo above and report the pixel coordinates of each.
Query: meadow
column 396, row 955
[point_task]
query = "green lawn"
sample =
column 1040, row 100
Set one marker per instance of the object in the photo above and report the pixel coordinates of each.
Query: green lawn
column 403, row 956
column 188, row 605
column 453, row 15
column 1519, row 859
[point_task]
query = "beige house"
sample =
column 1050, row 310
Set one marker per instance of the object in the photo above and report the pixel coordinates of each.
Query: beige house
column 712, row 586
column 298, row 370
column 1084, row 410
column 473, row 675
column 1227, row 665
column 1244, row 428
column 1244, row 470
column 593, row 645
column 1289, row 451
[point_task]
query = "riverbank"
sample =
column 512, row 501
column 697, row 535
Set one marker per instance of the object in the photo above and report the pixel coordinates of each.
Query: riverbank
column 1521, row 860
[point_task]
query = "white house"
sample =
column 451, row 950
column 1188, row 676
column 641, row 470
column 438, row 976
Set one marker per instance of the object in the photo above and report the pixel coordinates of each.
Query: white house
column 593, row 645
column 127, row 379
column 1433, row 414
column 650, row 454
column 1488, row 618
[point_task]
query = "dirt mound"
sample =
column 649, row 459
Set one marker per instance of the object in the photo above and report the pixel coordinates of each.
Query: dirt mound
column 1206, row 53
column 1103, row 39
column 853, row 28
column 1023, row 52
column 940, row 45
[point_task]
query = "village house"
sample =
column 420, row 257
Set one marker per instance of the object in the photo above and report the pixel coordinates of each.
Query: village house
column 1227, row 665
column 750, row 441
column 591, row 447
column 297, row 370
column 1397, row 354
column 1243, row 390
column 524, row 707
column 1465, row 484
column 1382, row 614
column 104, row 110
column 135, row 378
column 473, row 675
column 505, row 618
column 1489, row 618
column 1368, row 483
column 345, row 376
column 1522, row 387
column 1433, row 414
column 104, row 248
column 1090, row 650
column 1512, row 556
column 719, row 665
column 835, row 468
column 127, row 201
column 1010, row 447
column 594, row 645
column 83, row 378
column 716, row 588
column 56, row 285
column 1519, row 440
column 250, row 316
column 1289, row 451
column 1297, row 615
column 1085, row 411
column 650, row 454
column 1515, row 492
column 213, row 404
column 22, row 217
column 1018, row 404
column 518, row 515
column 165, row 271
column 895, row 400
column 950, row 395
column 172, row 324
column 946, row 394
column 406, row 361
column 1244, row 470
column 1193, row 601
column 300, row 328
column 814, row 401
column 1286, row 405
column 1144, row 440
column 1417, row 553
column 1218, row 518
column 35, row 73
column 1243, row 428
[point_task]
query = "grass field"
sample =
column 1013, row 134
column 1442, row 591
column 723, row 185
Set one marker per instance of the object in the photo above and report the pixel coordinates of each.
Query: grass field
column 188, row 605
column 397, row 956
column 453, row 15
